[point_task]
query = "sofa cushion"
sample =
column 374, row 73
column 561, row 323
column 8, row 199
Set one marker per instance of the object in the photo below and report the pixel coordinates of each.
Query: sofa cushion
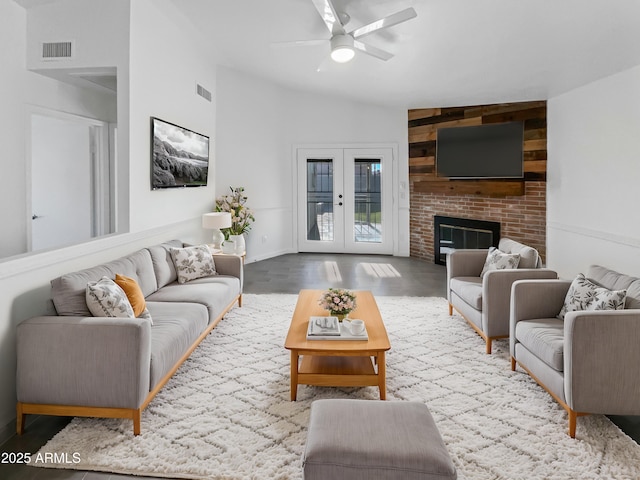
column 544, row 338
column 529, row 257
column 613, row 280
column 68, row 291
column 633, row 295
column 176, row 327
column 215, row 293
column 163, row 267
column 583, row 294
column 193, row 262
column 468, row 289
column 105, row 298
column 499, row 260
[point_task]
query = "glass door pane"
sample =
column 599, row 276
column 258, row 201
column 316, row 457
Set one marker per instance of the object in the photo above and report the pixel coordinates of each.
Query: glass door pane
column 367, row 226
column 320, row 219
column 368, row 213
column 320, row 181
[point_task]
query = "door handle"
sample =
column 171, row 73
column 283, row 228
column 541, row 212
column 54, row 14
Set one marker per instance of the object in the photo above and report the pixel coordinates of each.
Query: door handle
column 35, row 217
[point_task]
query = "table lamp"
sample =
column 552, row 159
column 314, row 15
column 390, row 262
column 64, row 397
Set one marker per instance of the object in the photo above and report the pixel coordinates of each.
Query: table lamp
column 215, row 221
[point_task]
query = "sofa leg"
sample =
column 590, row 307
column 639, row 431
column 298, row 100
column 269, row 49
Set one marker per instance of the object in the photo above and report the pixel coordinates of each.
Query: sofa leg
column 513, row 364
column 450, row 309
column 488, row 349
column 240, row 301
column 20, row 419
column 137, row 420
column 573, row 420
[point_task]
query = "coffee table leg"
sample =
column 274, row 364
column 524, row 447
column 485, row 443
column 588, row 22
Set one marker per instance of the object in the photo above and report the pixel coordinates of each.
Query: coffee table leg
column 294, row 375
column 382, row 372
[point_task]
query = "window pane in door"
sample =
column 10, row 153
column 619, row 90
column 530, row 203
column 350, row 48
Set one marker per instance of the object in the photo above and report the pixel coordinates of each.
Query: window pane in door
column 320, row 199
column 368, row 201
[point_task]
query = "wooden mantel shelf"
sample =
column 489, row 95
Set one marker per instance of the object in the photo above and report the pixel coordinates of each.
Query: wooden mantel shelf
column 490, row 188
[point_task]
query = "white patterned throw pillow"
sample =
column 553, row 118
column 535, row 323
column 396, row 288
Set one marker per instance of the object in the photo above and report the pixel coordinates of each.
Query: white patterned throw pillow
column 193, row 262
column 497, row 260
column 583, row 294
column 106, row 299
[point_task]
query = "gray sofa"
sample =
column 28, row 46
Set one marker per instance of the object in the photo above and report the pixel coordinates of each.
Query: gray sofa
column 75, row 364
column 589, row 361
column 484, row 301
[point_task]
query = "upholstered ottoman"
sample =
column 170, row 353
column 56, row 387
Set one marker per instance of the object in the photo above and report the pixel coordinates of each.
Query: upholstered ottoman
column 372, row 440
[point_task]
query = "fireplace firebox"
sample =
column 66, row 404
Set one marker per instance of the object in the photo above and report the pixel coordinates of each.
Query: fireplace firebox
column 450, row 233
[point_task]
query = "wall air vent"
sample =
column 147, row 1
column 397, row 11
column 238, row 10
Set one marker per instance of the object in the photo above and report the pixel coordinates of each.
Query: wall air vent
column 57, row 50
column 203, row 92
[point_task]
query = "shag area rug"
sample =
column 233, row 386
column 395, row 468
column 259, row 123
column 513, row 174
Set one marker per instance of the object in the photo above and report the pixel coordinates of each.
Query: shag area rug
column 226, row 414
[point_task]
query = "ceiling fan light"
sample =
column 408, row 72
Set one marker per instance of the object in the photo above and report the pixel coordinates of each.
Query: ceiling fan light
column 342, row 54
column 342, row 48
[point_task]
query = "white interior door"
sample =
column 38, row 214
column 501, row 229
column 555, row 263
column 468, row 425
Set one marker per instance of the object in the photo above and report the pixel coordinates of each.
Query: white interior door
column 70, row 191
column 344, row 200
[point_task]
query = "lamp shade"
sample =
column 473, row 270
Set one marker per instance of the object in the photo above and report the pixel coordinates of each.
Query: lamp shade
column 216, row 220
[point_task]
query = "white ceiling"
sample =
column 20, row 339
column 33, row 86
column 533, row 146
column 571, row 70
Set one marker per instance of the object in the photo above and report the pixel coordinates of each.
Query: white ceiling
column 456, row 52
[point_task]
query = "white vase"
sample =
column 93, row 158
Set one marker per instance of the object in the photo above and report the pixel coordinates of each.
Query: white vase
column 228, row 247
column 239, row 242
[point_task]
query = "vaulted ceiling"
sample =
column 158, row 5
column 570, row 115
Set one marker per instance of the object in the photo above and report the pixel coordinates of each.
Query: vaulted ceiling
column 456, row 52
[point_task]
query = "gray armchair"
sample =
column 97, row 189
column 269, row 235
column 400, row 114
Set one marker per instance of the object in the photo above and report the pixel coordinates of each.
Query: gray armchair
column 484, row 301
column 588, row 362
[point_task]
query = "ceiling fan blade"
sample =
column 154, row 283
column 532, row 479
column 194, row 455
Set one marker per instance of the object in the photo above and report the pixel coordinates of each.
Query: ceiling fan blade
column 299, row 43
column 386, row 22
column 373, row 51
column 329, row 16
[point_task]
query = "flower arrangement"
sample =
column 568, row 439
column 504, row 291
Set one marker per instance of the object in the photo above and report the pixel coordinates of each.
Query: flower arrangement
column 241, row 215
column 338, row 301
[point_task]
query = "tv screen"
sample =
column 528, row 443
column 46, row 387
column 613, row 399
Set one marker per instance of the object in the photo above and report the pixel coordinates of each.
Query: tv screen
column 482, row 151
column 179, row 157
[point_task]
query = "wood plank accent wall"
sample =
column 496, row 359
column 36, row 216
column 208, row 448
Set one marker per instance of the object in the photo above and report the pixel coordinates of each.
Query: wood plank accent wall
column 519, row 205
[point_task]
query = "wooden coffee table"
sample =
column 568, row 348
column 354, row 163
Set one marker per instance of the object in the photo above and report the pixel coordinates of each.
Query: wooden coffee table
column 337, row 363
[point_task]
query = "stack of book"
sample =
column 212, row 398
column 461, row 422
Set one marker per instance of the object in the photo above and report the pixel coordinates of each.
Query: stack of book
column 323, row 327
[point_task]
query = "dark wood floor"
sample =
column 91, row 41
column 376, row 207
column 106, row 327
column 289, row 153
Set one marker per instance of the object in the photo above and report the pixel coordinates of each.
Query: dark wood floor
column 383, row 275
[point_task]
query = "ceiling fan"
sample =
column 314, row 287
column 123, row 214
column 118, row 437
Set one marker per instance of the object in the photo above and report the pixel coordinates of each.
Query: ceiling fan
column 343, row 43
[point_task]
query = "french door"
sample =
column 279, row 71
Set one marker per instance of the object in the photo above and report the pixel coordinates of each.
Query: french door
column 344, row 200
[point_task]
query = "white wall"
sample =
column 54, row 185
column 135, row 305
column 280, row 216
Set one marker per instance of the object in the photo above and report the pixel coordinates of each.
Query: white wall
column 167, row 60
column 161, row 88
column 258, row 125
column 13, row 20
column 593, row 176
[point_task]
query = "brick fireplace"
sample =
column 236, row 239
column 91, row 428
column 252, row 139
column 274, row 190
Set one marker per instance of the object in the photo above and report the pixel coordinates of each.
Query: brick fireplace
column 518, row 205
column 522, row 218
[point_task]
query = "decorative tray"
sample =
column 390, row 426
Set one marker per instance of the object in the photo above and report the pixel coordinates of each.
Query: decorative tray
column 328, row 328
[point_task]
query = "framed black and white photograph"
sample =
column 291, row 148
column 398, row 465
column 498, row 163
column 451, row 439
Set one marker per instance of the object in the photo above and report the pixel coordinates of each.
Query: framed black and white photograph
column 179, row 157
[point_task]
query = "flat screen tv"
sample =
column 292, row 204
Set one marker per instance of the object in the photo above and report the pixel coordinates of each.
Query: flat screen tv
column 483, row 151
column 179, row 156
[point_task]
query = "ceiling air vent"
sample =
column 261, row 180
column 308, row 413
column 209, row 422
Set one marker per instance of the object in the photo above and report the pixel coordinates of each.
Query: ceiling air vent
column 57, row 50
column 203, row 92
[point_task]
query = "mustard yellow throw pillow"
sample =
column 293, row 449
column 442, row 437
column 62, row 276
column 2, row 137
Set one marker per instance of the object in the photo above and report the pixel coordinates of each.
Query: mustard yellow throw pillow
column 135, row 296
